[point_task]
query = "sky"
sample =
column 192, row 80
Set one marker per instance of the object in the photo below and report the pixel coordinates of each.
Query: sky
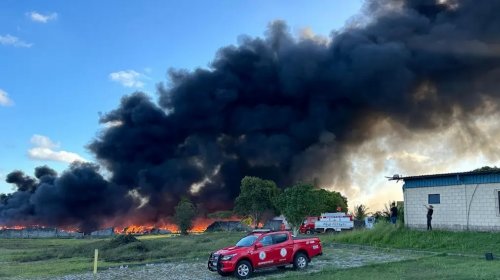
column 63, row 63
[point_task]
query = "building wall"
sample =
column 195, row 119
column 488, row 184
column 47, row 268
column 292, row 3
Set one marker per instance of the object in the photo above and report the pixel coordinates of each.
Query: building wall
column 103, row 232
column 461, row 207
column 37, row 233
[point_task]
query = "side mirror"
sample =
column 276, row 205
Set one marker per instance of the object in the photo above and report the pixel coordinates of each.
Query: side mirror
column 258, row 245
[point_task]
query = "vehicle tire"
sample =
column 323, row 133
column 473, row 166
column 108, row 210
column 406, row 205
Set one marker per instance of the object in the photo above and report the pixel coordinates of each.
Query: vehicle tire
column 330, row 231
column 308, row 231
column 243, row 270
column 300, row 261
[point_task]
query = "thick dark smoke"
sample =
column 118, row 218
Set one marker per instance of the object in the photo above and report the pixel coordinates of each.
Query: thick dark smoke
column 281, row 108
column 22, row 182
column 80, row 197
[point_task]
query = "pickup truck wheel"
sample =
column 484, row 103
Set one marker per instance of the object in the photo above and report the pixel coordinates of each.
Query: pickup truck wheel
column 300, row 261
column 308, row 231
column 243, row 270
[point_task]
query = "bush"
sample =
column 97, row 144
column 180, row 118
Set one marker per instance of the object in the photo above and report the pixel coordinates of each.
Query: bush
column 124, row 248
column 121, row 240
column 135, row 251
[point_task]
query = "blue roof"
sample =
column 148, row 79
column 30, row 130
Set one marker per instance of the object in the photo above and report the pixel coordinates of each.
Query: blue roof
column 452, row 179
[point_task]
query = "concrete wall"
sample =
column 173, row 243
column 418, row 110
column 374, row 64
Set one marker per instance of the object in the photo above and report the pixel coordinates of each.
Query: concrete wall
column 227, row 226
column 38, row 233
column 462, row 207
column 103, row 232
column 160, row 231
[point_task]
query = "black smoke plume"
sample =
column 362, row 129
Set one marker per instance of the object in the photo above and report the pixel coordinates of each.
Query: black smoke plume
column 281, row 108
column 79, row 198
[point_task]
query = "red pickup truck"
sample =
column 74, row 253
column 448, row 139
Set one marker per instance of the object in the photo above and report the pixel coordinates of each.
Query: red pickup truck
column 261, row 249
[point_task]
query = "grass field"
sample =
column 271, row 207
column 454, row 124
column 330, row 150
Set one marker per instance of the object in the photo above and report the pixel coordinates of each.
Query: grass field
column 386, row 235
column 46, row 257
column 435, row 267
column 461, row 254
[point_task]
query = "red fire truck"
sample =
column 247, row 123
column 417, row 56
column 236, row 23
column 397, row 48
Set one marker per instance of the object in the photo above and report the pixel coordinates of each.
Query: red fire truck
column 327, row 222
column 261, row 249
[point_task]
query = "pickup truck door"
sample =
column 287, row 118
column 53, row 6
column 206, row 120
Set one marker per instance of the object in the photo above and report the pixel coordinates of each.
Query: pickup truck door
column 282, row 248
column 263, row 256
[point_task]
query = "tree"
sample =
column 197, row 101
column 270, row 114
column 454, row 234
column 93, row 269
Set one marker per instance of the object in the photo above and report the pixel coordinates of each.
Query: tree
column 297, row 203
column 486, row 168
column 330, row 201
column 401, row 214
column 379, row 215
column 256, row 198
column 360, row 212
column 185, row 212
column 385, row 214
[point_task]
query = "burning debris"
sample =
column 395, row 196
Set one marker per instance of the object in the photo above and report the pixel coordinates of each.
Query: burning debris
column 278, row 107
column 137, row 230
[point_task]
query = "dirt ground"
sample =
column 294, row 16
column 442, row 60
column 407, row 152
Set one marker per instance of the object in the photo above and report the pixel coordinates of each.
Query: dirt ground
column 340, row 257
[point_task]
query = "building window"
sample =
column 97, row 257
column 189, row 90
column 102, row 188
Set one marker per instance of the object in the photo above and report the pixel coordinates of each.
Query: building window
column 434, row 199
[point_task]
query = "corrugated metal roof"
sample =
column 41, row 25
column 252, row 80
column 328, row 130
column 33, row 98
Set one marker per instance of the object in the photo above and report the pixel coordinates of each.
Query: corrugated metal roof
column 452, row 179
column 417, row 177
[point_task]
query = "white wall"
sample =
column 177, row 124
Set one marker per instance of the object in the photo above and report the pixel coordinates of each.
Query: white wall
column 464, row 206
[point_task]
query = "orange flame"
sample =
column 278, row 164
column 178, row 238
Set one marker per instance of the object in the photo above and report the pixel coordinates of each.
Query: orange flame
column 200, row 224
column 12, row 227
column 144, row 229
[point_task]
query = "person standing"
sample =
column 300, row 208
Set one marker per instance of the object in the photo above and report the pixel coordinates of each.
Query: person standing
column 430, row 211
column 394, row 213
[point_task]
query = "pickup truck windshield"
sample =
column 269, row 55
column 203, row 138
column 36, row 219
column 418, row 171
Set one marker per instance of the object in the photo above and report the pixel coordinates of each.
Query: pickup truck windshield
column 246, row 241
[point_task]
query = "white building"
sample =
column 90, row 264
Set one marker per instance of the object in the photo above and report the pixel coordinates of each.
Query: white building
column 461, row 201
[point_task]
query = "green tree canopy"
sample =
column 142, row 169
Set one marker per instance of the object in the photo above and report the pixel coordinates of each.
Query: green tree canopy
column 487, row 168
column 256, row 198
column 185, row 213
column 329, row 201
column 297, row 203
column 303, row 200
column 360, row 212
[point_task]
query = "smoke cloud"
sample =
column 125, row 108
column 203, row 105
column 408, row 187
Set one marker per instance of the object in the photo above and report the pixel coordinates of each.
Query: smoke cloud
column 279, row 107
column 80, row 197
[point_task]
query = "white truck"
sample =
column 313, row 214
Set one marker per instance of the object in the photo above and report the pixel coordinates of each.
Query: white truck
column 327, row 222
